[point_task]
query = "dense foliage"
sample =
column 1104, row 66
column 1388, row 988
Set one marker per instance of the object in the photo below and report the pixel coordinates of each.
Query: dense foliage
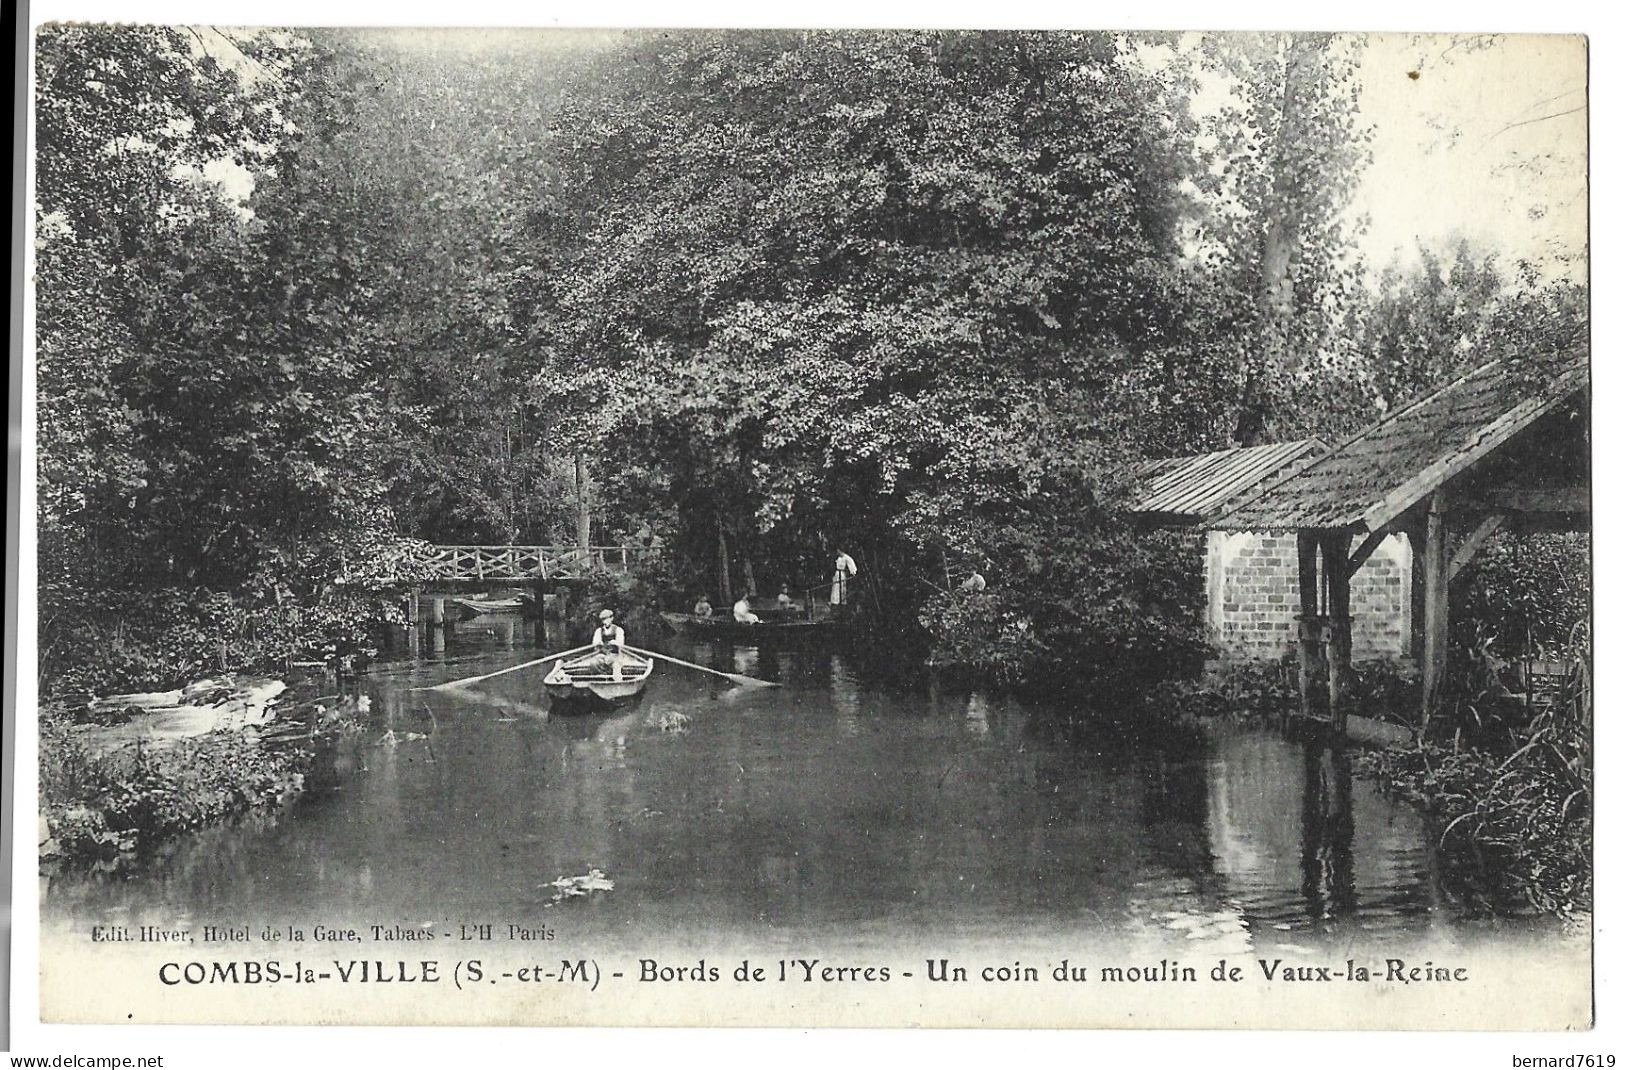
column 206, row 417
column 745, row 299
column 920, row 296
column 1514, row 823
column 102, row 805
column 755, row 297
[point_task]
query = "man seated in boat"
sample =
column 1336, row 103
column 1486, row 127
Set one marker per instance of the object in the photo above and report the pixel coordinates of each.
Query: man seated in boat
column 702, row 608
column 609, row 644
column 742, row 612
column 975, row 583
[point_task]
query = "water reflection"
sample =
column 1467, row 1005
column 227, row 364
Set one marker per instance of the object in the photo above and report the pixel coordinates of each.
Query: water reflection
column 976, row 714
column 1328, row 832
column 828, row 807
column 844, row 695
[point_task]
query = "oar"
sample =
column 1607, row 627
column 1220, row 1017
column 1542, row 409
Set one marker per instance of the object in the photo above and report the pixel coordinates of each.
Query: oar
column 449, row 684
column 739, row 678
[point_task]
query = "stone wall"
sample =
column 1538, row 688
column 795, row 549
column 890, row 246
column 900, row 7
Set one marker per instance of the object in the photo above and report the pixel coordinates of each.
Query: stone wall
column 1252, row 597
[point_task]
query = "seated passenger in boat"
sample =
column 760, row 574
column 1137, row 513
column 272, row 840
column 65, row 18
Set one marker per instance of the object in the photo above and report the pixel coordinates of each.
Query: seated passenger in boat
column 609, row 644
column 742, row 612
column 702, row 608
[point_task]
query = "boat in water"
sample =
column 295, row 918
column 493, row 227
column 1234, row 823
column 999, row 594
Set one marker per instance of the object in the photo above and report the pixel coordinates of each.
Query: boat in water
column 770, row 626
column 509, row 604
column 582, row 684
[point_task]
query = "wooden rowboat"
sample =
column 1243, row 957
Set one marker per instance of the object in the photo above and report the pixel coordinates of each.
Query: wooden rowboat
column 583, row 683
column 771, row 626
column 491, row 605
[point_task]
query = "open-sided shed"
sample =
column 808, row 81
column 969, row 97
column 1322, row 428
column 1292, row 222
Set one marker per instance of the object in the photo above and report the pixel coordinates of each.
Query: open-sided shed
column 1505, row 446
column 1251, row 578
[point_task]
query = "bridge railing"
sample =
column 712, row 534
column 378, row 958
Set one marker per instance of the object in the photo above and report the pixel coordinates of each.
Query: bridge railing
column 523, row 562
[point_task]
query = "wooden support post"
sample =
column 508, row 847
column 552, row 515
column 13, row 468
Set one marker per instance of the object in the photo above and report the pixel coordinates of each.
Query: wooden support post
column 1308, row 620
column 437, row 610
column 1334, row 555
column 412, row 609
column 1435, row 606
column 722, row 564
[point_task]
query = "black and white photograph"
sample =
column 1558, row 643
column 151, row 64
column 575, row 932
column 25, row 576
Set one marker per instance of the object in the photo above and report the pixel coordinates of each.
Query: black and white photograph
column 808, row 527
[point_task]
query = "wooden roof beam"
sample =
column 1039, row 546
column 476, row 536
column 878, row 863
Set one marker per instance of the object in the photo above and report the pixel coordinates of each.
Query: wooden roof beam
column 1364, row 550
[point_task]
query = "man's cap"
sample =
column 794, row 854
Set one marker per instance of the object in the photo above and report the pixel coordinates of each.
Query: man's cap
column 606, row 614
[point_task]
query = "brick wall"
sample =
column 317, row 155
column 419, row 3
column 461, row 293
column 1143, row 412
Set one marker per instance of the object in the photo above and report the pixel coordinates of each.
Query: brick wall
column 1252, row 596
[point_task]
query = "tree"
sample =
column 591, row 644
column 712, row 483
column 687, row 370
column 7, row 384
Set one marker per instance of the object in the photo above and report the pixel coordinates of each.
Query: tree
column 1434, row 322
column 208, row 411
column 1291, row 150
column 895, row 288
column 445, row 135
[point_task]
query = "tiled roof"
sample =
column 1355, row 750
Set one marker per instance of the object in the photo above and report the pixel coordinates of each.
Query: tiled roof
column 1194, row 488
column 1372, row 478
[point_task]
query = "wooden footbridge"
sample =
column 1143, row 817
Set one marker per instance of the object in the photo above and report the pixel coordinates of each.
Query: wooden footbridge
column 446, row 573
column 521, row 564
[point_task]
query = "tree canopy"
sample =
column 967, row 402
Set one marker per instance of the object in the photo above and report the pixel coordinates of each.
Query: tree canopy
column 924, row 296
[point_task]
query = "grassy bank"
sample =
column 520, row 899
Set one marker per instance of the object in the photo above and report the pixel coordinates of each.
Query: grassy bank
column 1514, row 827
column 107, row 805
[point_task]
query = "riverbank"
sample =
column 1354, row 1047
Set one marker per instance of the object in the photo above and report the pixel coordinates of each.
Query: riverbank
column 1514, row 831
column 119, row 775
column 1512, row 825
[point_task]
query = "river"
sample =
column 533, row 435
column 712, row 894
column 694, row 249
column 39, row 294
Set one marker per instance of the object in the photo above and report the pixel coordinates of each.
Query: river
column 832, row 810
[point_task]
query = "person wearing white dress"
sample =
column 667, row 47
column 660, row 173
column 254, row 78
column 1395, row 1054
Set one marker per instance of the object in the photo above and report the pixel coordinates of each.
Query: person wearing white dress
column 840, row 588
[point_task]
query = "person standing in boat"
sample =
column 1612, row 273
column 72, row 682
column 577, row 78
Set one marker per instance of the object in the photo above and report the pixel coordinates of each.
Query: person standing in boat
column 840, row 588
column 609, row 643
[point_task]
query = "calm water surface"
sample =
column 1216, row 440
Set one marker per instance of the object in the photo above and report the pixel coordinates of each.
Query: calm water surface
column 828, row 809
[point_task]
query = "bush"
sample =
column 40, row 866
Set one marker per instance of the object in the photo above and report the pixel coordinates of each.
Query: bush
column 1118, row 611
column 1517, row 827
column 1386, row 691
column 982, row 632
column 633, row 597
column 101, row 805
column 139, row 639
column 1515, row 833
column 1243, row 691
column 1526, row 593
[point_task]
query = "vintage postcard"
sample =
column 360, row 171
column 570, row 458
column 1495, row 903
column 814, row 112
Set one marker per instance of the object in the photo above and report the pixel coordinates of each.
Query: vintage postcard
column 810, row 528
